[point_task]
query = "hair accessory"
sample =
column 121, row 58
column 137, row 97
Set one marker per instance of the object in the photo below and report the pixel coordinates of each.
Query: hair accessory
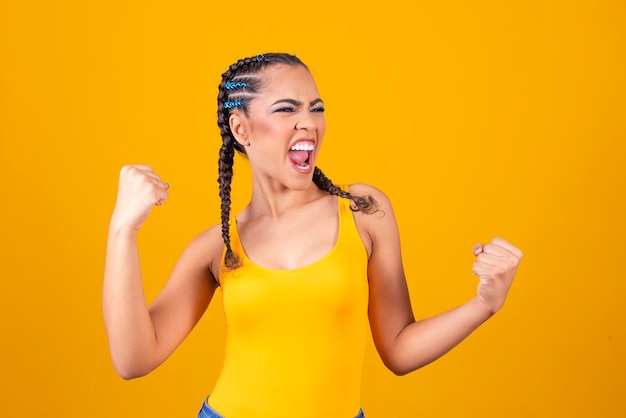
column 260, row 57
column 235, row 85
column 230, row 105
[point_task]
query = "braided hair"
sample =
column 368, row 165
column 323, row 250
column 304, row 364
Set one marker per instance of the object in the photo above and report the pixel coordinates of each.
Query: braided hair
column 239, row 85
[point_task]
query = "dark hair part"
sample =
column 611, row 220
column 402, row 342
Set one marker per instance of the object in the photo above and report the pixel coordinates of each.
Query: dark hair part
column 245, row 75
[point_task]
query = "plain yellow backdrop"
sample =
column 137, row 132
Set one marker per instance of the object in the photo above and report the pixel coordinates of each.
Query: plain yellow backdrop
column 477, row 118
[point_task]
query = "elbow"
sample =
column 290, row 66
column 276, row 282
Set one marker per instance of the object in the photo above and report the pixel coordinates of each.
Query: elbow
column 128, row 369
column 403, row 365
column 398, row 367
column 129, row 373
column 399, row 370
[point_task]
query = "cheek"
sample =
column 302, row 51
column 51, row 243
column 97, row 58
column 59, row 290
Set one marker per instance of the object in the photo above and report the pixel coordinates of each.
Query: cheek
column 271, row 127
column 269, row 138
column 321, row 128
column 260, row 127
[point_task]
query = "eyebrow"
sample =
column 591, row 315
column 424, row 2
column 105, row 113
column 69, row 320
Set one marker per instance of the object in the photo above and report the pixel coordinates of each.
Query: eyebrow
column 297, row 103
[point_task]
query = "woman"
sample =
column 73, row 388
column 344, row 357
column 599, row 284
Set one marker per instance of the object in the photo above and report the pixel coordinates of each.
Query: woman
column 303, row 268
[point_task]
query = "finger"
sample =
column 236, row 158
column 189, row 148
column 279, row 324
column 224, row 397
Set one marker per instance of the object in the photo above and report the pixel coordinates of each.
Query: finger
column 160, row 197
column 480, row 269
column 131, row 167
column 508, row 246
column 497, row 250
column 161, row 185
column 478, row 248
column 152, row 175
column 138, row 173
column 490, row 259
column 142, row 167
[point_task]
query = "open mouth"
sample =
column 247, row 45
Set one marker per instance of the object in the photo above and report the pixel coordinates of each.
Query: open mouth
column 300, row 155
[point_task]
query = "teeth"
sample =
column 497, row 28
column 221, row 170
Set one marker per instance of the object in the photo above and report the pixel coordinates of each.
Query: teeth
column 303, row 147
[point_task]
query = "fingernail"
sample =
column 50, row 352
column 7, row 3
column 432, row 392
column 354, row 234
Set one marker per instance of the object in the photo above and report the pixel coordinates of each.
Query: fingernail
column 478, row 249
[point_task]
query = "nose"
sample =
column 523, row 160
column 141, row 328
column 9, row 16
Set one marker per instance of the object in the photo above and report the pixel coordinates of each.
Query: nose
column 305, row 121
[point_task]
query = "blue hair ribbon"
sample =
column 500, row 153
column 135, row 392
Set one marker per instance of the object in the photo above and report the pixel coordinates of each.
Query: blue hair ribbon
column 230, row 85
column 230, row 105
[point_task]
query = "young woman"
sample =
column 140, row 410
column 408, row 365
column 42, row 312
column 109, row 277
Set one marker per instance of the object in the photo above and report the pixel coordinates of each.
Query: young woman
column 304, row 268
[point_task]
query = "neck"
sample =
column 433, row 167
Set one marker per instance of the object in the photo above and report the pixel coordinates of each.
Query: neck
column 270, row 198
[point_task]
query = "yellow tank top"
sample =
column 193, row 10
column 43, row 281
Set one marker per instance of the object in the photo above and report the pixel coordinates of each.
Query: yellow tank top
column 295, row 339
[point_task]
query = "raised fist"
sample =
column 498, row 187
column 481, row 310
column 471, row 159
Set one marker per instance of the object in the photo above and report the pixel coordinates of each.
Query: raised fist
column 496, row 264
column 140, row 189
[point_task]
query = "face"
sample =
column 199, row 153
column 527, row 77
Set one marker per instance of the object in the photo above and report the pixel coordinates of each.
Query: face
column 284, row 128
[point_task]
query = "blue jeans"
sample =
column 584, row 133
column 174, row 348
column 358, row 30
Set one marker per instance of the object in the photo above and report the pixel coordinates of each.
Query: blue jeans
column 207, row 412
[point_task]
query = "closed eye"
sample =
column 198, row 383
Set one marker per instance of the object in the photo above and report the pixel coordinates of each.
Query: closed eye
column 318, row 109
column 285, row 109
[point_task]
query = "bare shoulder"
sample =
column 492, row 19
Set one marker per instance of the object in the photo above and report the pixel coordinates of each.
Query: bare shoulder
column 374, row 227
column 383, row 204
column 208, row 247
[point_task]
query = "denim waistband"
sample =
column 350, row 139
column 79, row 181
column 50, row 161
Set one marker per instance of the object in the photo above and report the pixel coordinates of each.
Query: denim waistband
column 207, row 412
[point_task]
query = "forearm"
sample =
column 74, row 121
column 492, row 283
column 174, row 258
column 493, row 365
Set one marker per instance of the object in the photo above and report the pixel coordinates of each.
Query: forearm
column 424, row 341
column 129, row 328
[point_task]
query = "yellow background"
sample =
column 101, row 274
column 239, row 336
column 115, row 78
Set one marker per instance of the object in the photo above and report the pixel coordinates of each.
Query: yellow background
column 477, row 118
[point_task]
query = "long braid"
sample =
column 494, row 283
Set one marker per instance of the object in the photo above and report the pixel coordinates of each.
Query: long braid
column 245, row 74
column 225, row 163
column 365, row 204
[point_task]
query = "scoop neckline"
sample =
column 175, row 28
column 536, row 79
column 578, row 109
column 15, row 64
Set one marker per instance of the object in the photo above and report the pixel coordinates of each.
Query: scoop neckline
column 250, row 262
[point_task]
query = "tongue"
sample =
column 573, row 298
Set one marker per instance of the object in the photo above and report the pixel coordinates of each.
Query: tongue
column 298, row 157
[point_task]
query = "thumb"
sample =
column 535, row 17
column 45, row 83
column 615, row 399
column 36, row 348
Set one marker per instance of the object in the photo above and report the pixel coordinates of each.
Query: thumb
column 478, row 248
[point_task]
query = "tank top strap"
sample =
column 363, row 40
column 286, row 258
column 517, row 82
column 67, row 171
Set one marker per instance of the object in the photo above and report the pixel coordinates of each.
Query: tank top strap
column 235, row 245
column 235, row 241
column 349, row 232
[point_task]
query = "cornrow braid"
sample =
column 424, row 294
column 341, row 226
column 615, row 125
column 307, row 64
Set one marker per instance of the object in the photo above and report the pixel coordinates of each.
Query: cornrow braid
column 244, row 83
column 365, row 204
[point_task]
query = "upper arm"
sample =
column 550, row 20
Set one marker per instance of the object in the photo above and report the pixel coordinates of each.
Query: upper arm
column 187, row 293
column 389, row 304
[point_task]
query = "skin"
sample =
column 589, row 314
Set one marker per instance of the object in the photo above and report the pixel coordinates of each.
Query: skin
column 288, row 223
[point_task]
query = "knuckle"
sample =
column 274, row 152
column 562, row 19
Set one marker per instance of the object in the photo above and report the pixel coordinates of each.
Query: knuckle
column 133, row 171
column 125, row 169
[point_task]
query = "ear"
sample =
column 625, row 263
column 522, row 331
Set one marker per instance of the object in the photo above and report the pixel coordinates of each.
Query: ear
column 240, row 127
